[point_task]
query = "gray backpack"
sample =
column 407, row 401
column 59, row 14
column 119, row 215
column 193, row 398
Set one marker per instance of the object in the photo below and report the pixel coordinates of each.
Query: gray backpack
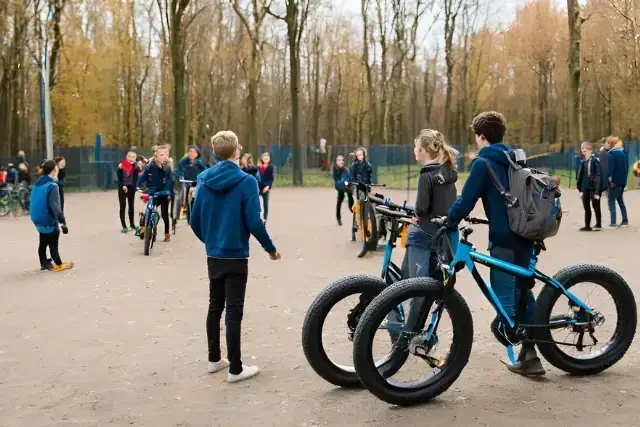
column 533, row 202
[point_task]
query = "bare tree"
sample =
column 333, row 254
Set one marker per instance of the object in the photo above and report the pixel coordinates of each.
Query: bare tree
column 253, row 19
column 296, row 16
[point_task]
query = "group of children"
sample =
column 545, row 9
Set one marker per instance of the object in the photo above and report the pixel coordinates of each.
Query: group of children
column 158, row 178
column 605, row 173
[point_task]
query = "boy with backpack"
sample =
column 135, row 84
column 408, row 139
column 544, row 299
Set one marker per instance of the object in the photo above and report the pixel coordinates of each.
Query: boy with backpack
column 225, row 213
column 490, row 170
column 589, row 185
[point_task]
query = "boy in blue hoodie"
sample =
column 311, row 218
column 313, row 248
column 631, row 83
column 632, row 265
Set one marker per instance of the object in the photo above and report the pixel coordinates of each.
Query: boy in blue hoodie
column 46, row 214
column 158, row 181
column 617, row 174
column 489, row 129
column 225, row 213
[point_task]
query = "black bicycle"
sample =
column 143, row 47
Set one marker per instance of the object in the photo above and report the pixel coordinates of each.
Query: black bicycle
column 364, row 226
column 320, row 332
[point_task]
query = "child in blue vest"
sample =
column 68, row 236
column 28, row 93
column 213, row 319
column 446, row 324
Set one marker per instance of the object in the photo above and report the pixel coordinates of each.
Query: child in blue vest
column 47, row 216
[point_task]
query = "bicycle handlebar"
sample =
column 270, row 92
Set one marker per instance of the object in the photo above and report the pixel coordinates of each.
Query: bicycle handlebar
column 187, row 181
column 401, row 216
column 379, row 200
column 364, row 187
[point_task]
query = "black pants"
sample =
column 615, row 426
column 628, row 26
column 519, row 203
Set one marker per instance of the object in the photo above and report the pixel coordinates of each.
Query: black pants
column 227, row 284
column 49, row 240
column 265, row 202
column 163, row 202
column 123, row 198
column 587, row 197
column 340, row 200
column 61, row 191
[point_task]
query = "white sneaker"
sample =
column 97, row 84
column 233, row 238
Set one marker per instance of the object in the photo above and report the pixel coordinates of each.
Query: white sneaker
column 247, row 372
column 217, row 366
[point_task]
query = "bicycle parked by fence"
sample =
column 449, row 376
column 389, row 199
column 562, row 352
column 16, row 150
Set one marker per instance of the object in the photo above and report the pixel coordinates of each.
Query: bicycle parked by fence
column 357, row 291
column 574, row 326
column 14, row 200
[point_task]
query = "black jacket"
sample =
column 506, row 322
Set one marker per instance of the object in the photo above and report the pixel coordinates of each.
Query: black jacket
column 436, row 193
column 591, row 181
column 361, row 171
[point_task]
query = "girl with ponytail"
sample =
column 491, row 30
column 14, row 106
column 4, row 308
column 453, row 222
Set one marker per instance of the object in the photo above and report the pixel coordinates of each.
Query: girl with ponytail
column 436, row 193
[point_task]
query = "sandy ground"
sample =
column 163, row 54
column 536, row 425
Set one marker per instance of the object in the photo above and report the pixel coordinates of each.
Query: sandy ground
column 120, row 340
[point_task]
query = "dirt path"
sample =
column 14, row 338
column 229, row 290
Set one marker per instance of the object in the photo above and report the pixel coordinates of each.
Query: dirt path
column 120, row 340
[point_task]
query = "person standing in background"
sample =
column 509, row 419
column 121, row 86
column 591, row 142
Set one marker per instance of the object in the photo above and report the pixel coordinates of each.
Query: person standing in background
column 62, row 173
column 128, row 173
column 589, row 185
column 618, row 172
column 266, row 181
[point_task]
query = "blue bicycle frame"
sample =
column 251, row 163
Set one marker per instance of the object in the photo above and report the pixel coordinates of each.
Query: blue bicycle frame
column 465, row 255
column 149, row 217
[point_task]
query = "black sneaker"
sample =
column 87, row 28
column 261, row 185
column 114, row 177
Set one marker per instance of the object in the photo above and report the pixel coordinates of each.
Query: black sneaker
column 586, row 229
column 624, row 224
column 597, row 228
column 528, row 365
column 47, row 267
column 339, row 222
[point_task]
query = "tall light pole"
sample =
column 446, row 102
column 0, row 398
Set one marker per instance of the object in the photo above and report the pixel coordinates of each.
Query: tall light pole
column 46, row 99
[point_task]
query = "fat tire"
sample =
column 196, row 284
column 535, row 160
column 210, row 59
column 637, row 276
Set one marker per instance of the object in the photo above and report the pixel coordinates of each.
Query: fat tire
column 314, row 321
column 626, row 322
column 462, row 321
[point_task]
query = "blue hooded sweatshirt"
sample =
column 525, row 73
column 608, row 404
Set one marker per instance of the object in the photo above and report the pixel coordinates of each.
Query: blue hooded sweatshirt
column 157, row 180
column 479, row 185
column 45, row 212
column 618, row 170
column 226, row 212
column 188, row 170
column 340, row 176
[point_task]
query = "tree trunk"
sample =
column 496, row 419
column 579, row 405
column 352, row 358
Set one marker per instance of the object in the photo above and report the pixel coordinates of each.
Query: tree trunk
column 316, row 91
column 575, row 95
column 179, row 96
column 294, row 70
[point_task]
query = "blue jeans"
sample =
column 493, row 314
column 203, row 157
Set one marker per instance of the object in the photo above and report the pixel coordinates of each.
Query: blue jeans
column 615, row 194
column 507, row 287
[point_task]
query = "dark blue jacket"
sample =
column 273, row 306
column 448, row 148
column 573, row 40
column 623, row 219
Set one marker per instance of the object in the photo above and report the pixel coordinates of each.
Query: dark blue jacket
column 590, row 175
column 618, row 170
column 188, row 170
column 46, row 213
column 479, row 185
column 266, row 177
column 227, row 211
column 339, row 178
column 361, row 172
column 157, row 180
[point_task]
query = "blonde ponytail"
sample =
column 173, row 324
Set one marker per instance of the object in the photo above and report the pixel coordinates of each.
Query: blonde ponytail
column 436, row 145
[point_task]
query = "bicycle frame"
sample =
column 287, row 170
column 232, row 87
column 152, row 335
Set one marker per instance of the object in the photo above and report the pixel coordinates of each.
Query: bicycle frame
column 465, row 255
column 149, row 211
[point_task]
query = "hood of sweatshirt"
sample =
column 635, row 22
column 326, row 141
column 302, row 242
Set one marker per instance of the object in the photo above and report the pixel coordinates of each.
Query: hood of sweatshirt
column 222, row 176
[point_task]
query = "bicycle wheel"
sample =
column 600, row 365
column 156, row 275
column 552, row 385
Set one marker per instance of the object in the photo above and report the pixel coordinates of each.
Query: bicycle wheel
column 5, row 206
column 617, row 334
column 357, row 289
column 368, row 229
column 354, row 220
column 189, row 207
column 423, row 344
column 148, row 234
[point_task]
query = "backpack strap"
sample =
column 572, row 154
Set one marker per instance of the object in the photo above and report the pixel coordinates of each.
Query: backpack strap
column 509, row 200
